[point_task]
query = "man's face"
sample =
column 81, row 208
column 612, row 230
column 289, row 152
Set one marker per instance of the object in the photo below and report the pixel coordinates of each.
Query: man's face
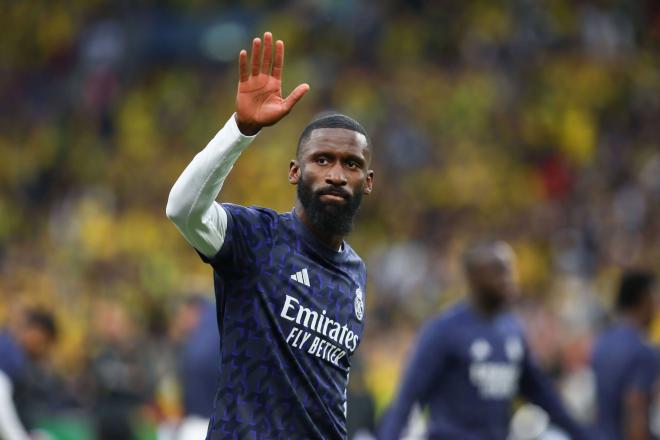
column 35, row 341
column 649, row 306
column 332, row 175
column 494, row 277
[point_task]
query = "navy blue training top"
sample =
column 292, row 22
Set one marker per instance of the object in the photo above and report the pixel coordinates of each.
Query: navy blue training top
column 622, row 361
column 467, row 369
column 290, row 314
column 198, row 364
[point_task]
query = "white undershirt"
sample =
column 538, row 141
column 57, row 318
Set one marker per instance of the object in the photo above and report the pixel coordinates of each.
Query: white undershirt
column 191, row 204
column 10, row 425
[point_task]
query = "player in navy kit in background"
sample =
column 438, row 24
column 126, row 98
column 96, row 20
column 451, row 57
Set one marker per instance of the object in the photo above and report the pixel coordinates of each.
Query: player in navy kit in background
column 289, row 289
column 472, row 361
column 625, row 365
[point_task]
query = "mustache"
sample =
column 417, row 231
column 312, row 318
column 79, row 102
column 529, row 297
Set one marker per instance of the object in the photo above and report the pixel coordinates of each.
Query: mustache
column 333, row 191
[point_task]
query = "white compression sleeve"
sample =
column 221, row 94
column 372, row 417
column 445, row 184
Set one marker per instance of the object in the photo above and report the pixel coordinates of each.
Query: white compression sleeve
column 10, row 425
column 191, row 204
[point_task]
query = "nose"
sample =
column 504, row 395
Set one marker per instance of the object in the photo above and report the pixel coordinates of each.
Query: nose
column 336, row 176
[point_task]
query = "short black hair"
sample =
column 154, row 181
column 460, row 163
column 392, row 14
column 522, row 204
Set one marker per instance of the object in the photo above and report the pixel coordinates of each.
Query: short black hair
column 43, row 320
column 635, row 285
column 478, row 251
column 330, row 120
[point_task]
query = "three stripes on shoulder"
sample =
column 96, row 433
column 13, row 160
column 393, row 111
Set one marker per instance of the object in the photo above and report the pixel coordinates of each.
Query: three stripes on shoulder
column 302, row 277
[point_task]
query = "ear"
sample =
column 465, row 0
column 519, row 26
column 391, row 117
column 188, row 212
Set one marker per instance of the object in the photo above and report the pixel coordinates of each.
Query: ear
column 368, row 184
column 294, row 172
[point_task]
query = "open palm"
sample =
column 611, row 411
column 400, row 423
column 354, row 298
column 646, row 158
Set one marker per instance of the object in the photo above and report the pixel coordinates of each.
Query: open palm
column 259, row 101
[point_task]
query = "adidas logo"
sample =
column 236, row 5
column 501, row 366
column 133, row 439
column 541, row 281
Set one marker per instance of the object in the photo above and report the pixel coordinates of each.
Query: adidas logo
column 302, row 277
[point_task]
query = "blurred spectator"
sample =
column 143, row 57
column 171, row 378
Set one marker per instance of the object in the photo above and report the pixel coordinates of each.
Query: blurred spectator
column 117, row 374
column 26, row 386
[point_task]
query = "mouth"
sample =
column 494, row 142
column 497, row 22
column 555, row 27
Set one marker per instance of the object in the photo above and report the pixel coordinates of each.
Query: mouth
column 332, row 198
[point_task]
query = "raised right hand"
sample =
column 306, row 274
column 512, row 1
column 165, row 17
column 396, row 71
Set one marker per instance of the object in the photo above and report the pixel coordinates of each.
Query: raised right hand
column 259, row 101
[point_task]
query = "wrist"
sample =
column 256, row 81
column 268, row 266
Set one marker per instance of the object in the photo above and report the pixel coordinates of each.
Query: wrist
column 246, row 128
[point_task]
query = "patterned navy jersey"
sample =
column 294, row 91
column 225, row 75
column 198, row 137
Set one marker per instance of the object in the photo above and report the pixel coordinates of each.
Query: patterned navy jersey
column 290, row 314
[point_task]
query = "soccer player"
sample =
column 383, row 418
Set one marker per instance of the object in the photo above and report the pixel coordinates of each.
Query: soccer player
column 289, row 289
column 472, row 361
column 624, row 363
column 198, row 357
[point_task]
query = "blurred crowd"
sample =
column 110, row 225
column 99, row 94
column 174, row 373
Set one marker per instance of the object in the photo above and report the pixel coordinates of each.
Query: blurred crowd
column 535, row 122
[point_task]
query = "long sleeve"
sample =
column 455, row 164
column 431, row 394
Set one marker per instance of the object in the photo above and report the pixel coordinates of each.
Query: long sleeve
column 425, row 365
column 191, row 204
column 538, row 389
column 10, row 425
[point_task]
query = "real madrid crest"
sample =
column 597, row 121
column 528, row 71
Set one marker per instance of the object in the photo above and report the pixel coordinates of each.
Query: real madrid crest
column 359, row 304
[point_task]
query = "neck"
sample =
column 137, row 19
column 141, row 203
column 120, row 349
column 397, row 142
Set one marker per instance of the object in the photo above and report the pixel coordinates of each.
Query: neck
column 634, row 320
column 333, row 241
column 487, row 308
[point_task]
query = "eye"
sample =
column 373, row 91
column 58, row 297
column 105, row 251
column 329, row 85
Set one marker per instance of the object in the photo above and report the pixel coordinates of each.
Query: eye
column 322, row 160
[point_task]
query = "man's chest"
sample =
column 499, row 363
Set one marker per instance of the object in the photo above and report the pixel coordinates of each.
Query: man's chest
column 491, row 362
column 316, row 306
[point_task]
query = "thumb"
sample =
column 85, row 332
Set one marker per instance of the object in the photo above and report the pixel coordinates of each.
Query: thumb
column 295, row 96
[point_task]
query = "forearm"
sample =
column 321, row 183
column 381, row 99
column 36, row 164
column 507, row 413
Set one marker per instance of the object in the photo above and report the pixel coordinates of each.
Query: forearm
column 395, row 419
column 10, row 425
column 425, row 364
column 636, row 420
column 539, row 390
column 191, row 204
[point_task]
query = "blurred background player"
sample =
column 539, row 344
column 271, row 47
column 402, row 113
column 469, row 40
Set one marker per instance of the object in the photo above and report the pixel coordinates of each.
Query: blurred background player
column 23, row 392
column 625, row 364
column 472, row 361
column 198, row 359
column 289, row 289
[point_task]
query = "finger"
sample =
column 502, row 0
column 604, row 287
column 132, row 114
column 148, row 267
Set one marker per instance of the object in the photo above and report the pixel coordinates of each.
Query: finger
column 279, row 59
column 256, row 56
column 295, row 96
column 268, row 53
column 243, row 73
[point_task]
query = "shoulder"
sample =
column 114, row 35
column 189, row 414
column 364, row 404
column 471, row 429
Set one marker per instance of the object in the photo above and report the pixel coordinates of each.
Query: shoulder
column 456, row 313
column 353, row 257
column 11, row 356
column 251, row 212
column 255, row 219
column 648, row 354
column 448, row 320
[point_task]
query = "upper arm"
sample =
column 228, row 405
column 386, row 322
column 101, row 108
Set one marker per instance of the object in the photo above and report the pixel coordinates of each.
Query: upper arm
column 636, row 406
column 637, row 395
column 247, row 238
column 206, row 232
column 426, row 363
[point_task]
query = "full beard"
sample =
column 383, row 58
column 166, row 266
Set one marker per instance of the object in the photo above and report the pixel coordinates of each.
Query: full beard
column 329, row 218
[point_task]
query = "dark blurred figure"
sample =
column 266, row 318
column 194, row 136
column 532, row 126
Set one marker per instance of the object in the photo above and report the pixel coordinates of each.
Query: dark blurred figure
column 28, row 389
column 472, row 361
column 626, row 366
column 361, row 411
column 118, row 374
column 198, row 359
